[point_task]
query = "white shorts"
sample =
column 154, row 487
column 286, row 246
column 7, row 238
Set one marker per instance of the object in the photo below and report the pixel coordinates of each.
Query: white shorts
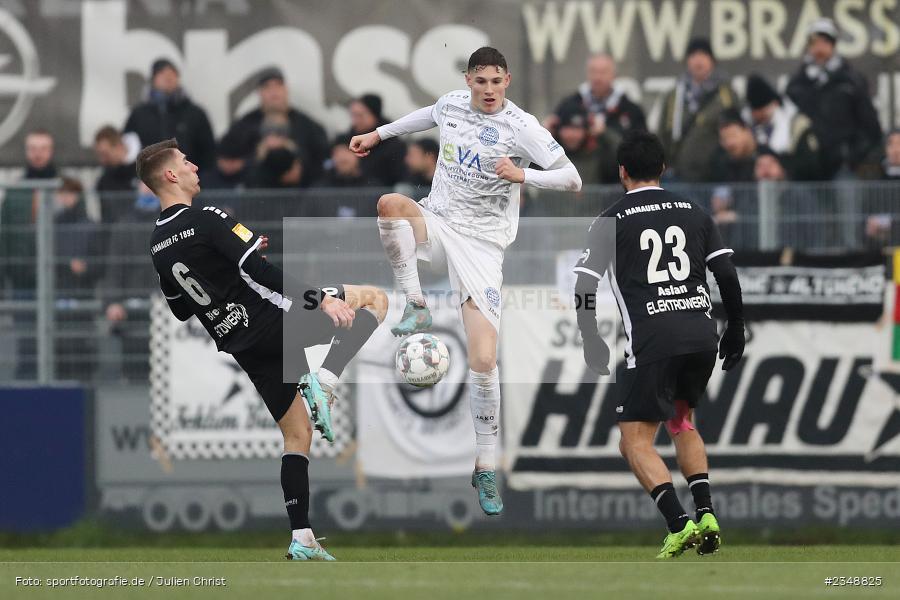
column 474, row 266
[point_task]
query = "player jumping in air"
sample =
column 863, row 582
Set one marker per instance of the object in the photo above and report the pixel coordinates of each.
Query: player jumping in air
column 209, row 267
column 470, row 217
column 663, row 245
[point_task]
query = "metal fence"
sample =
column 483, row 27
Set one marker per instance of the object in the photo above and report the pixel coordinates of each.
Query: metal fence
column 75, row 290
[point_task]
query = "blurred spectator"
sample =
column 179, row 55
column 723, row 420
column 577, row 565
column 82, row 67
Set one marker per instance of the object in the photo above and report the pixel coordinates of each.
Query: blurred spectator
column 891, row 163
column 280, row 167
column 768, row 166
column 593, row 156
column 309, row 139
column 736, row 163
column 118, row 173
column 345, row 170
column 608, row 108
column 421, row 163
column 17, row 244
column 782, row 128
column 689, row 129
column 231, row 170
column 384, row 165
column 836, row 98
column 77, row 272
column 127, row 275
column 167, row 112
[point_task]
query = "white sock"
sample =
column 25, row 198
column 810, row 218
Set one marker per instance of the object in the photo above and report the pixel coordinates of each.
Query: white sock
column 328, row 379
column 304, row 536
column 399, row 242
column 484, row 401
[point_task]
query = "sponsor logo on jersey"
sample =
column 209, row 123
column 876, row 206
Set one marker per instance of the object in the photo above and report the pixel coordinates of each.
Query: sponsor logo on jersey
column 242, row 232
column 464, row 156
column 493, row 296
column 489, row 136
column 552, row 146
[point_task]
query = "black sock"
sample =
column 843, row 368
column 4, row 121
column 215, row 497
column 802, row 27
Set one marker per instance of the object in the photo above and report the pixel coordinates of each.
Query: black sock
column 667, row 502
column 347, row 342
column 295, row 484
column 699, row 485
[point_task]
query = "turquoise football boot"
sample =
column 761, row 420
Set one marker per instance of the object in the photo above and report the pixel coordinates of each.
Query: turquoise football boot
column 319, row 406
column 415, row 319
column 297, row 551
column 488, row 495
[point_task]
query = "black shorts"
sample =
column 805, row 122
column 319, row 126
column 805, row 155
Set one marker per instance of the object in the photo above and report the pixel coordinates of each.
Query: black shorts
column 648, row 392
column 275, row 363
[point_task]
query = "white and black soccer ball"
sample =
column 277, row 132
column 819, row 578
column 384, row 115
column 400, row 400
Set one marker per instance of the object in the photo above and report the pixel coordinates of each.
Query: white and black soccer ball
column 422, row 359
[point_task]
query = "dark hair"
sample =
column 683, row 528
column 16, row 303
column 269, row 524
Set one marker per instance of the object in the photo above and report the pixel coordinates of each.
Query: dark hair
column 486, row 57
column 39, row 131
column 731, row 116
column 151, row 160
column 70, row 184
column 642, row 155
column 341, row 140
column 427, row 146
column 108, row 133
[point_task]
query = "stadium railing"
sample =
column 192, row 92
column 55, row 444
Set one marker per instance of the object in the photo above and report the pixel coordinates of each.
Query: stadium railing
column 63, row 268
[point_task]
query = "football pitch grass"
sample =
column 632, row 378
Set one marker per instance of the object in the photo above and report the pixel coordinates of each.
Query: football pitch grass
column 436, row 573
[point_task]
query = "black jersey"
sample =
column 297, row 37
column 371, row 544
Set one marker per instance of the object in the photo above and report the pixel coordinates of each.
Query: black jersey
column 662, row 245
column 208, row 266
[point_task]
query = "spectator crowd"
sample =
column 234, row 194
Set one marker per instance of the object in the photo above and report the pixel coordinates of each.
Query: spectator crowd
column 822, row 127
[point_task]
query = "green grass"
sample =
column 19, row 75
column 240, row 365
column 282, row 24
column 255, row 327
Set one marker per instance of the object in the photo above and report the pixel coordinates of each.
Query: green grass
column 453, row 572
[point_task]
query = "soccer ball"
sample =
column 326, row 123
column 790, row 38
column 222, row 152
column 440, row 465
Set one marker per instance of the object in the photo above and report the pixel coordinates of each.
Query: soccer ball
column 422, row 359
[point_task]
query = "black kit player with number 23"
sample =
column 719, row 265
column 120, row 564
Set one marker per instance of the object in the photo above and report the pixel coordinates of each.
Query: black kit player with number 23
column 655, row 247
column 209, row 266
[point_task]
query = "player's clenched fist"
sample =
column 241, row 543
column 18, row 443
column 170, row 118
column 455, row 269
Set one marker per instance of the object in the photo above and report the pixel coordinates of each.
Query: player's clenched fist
column 361, row 144
column 505, row 169
column 339, row 311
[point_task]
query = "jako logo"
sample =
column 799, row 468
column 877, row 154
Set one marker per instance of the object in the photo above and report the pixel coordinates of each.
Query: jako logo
column 467, row 159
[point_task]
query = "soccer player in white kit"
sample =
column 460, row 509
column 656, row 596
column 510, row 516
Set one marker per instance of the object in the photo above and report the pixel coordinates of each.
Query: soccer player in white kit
column 469, row 218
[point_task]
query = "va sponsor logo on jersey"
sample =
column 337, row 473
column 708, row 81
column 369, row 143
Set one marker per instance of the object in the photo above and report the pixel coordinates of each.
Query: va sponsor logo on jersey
column 493, row 296
column 489, row 136
column 464, row 156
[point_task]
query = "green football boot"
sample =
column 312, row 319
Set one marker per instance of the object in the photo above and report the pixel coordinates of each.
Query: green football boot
column 710, row 536
column 415, row 319
column 297, row 551
column 319, row 405
column 676, row 543
column 488, row 495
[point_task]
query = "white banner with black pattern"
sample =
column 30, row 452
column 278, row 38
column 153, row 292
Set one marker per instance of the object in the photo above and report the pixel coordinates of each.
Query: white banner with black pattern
column 204, row 406
column 408, row 432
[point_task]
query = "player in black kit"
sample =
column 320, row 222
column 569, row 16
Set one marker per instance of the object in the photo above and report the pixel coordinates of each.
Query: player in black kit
column 663, row 245
column 209, row 267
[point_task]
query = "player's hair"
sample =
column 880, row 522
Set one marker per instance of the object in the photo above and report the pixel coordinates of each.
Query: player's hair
column 427, row 146
column 642, row 155
column 486, row 57
column 150, row 162
column 108, row 134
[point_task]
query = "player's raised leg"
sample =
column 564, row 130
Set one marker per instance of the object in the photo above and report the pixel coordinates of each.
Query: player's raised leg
column 484, row 398
column 370, row 305
column 636, row 446
column 297, row 433
column 692, row 461
column 402, row 226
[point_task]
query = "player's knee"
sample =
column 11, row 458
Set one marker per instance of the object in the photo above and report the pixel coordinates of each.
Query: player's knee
column 482, row 362
column 391, row 205
column 629, row 448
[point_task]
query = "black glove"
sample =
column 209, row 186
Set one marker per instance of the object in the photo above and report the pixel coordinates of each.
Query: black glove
column 596, row 354
column 731, row 346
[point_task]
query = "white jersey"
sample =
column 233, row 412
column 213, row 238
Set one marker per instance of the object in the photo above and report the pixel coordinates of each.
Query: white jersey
column 466, row 192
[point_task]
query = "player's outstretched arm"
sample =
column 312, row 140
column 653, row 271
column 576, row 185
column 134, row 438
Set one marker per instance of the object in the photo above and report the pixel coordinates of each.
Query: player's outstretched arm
column 596, row 352
column 562, row 175
column 731, row 346
column 416, row 121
